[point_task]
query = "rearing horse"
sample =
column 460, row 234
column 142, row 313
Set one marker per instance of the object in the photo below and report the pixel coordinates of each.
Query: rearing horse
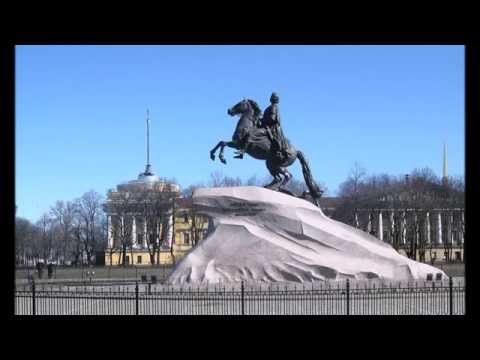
column 259, row 146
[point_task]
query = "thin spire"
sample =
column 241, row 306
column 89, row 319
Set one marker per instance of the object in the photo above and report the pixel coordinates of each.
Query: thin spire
column 148, row 138
column 445, row 163
column 148, row 174
column 148, row 167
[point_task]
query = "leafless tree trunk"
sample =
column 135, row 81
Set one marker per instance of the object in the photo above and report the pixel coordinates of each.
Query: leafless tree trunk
column 90, row 212
column 155, row 207
column 63, row 214
column 123, row 205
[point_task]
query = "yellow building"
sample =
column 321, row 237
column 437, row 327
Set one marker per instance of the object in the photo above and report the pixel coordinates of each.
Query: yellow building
column 188, row 227
column 149, row 222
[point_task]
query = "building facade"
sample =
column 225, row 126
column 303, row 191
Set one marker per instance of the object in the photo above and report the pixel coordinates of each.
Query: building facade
column 424, row 234
column 149, row 223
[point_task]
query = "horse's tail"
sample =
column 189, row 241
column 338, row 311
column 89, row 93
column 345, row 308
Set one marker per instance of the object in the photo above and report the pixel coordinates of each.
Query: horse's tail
column 314, row 189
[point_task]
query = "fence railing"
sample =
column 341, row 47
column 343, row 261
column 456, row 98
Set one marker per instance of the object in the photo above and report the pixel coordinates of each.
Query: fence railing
column 335, row 298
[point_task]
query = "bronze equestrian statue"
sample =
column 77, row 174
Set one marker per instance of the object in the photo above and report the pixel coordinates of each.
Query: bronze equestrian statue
column 262, row 138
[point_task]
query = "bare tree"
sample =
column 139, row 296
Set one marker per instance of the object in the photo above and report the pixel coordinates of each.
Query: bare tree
column 29, row 245
column 90, row 213
column 63, row 214
column 35, row 249
column 77, row 235
column 231, row 181
column 123, row 205
column 188, row 191
column 197, row 223
column 47, row 238
column 217, row 179
column 420, row 191
column 24, row 238
column 296, row 186
column 254, row 181
column 154, row 207
column 351, row 186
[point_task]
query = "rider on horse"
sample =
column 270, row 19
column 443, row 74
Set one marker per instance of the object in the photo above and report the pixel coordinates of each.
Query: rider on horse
column 271, row 122
column 263, row 140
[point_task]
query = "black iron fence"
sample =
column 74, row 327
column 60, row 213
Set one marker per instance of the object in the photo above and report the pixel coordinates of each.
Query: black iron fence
column 336, row 298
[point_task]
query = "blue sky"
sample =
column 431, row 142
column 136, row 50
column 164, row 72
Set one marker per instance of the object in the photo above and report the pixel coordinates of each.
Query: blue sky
column 80, row 112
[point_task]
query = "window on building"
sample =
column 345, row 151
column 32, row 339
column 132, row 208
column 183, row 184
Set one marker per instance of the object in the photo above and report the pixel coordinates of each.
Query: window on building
column 458, row 255
column 139, row 238
column 185, row 217
column 152, row 238
column 186, row 238
column 127, row 259
column 139, row 259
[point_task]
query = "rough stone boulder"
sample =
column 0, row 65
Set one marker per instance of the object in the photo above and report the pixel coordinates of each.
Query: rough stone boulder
column 263, row 235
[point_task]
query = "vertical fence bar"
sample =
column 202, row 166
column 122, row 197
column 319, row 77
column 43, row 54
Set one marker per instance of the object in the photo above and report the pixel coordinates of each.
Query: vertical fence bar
column 348, row 296
column 450, row 285
column 136, row 297
column 33, row 298
column 243, row 298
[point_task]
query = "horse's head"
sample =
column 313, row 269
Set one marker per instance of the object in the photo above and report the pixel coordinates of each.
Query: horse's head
column 240, row 108
column 245, row 106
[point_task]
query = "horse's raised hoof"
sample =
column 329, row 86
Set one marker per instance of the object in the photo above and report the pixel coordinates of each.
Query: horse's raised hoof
column 212, row 156
column 271, row 186
column 223, row 160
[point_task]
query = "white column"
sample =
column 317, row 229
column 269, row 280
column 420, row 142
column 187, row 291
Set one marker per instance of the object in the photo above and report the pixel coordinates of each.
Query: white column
column 157, row 238
column 134, row 230
column 450, row 229
column 380, row 225
column 356, row 220
column 170, row 231
column 392, row 226
column 439, row 228
column 416, row 228
column 122, row 227
column 109, row 232
column 427, row 225
column 462, row 227
column 369, row 225
column 404, row 228
column 144, row 244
